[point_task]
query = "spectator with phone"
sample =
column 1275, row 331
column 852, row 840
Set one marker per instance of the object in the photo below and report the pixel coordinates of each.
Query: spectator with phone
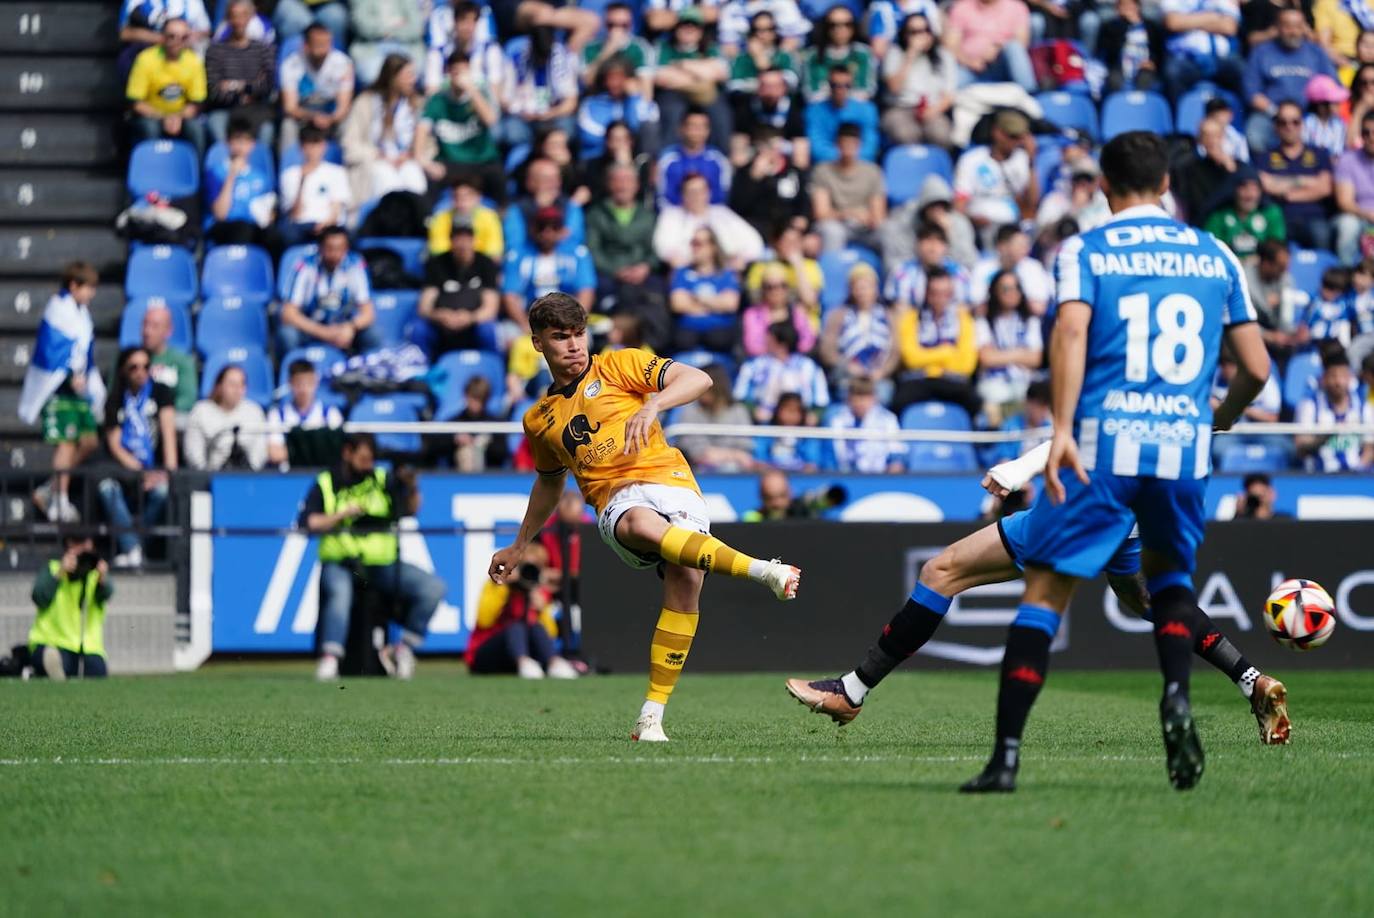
column 71, row 594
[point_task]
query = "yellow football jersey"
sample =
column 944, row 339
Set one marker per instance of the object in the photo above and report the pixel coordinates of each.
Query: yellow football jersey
column 581, row 428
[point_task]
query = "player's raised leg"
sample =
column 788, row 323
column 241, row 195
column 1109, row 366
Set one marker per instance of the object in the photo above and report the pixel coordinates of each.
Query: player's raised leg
column 677, row 625
column 644, row 531
column 1025, row 664
column 1267, row 696
column 977, row 559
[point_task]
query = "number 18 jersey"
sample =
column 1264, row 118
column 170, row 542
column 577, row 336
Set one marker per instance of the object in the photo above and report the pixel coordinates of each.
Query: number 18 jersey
column 1161, row 294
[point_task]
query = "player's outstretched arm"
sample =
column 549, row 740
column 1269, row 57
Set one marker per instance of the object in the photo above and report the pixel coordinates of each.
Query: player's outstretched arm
column 544, row 497
column 681, row 384
column 1011, row 476
column 1252, row 373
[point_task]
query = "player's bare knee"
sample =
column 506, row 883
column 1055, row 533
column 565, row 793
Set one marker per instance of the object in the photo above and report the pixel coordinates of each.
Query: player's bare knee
column 940, row 573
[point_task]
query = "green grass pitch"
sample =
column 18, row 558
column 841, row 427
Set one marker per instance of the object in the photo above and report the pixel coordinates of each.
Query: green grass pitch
column 250, row 790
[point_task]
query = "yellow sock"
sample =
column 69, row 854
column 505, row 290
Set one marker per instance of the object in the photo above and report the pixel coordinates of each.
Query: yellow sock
column 704, row 552
column 672, row 639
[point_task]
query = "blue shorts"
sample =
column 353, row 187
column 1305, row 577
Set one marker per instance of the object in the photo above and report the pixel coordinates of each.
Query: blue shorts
column 1079, row 537
column 1012, row 529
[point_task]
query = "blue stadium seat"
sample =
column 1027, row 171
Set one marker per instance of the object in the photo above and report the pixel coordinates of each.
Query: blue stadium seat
column 935, row 416
column 517, row 414
column 457, row 367
column 256, row 370
column 412, row 252
column 131, row 322
column 1243, row 458
column 237, row 271
column 260, row 159
column 166, row 271
column 942, row 457
column 169, row 167
column 1047, row 162
column 701, row 359
column 1136, row 111
column 323, row 356
column 1307, row 267
column 230, row 322
column 402, row 407
column 292, row 156
column 1193, row 103
column 1300, row 377
column 1070, row 110
column 395, row 310
column 286, row 268
column 905, row 169
column 835, row 268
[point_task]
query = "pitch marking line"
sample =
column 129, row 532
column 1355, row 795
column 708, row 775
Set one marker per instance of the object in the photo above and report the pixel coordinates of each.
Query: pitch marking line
column 474, row 761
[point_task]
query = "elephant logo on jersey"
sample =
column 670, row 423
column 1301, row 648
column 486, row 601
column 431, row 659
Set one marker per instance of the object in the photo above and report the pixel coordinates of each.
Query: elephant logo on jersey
column 578, row 433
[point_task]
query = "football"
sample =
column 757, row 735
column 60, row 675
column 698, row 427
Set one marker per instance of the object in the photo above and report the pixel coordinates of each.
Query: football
column 1300, row 614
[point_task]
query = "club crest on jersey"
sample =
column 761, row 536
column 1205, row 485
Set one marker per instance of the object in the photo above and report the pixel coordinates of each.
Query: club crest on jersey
column 593, row 390
column 578, row 432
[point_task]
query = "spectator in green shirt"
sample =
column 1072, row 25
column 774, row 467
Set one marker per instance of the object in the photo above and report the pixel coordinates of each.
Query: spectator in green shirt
column 461, row 117
column 620, row 41
column 762, row 51
column 620, row 235
column 172, row 367
column 691, row 73
column 1248, row 220
column 837, row 44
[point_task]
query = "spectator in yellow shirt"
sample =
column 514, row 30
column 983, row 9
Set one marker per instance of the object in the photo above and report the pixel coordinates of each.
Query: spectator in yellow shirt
column 489, row 238
column 939, row 351
column 166, row 88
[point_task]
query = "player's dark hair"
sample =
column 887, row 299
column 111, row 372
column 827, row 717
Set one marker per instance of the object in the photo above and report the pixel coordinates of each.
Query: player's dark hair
column 454, row 59
column 849, row 129
column 1038, row 391
column 465, row 8
column 313, row 133
column 938, row 273
column 557, row 310
column 1006, row 232
column 78, row 273
column 1257, row 478
column 315, row 28
column 1135, row 162
column 1270, row 249
column 694, row 110
column 352, row 441
column 299, row 368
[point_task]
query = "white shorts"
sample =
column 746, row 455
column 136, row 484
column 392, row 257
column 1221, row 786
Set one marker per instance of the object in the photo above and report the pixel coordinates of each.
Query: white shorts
column 679, row 506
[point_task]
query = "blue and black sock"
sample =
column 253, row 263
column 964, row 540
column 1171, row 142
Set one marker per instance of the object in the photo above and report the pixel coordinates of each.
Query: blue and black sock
column 904, row 635
column 1174, row 605
column 1024, row 667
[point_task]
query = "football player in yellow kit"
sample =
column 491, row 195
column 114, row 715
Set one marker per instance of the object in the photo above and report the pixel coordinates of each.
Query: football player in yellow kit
column 599, row 420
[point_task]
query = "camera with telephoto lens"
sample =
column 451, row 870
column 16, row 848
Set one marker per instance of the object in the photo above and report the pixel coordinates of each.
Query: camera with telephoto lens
column 85, row 563
column 526, row 576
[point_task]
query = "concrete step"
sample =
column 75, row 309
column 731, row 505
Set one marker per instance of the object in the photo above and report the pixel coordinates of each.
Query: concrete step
column 38, row 194
column 77, row 139
column 23, row 299
column 29, row 250
column 69, row 83
column 16, row 352
column 31, row 27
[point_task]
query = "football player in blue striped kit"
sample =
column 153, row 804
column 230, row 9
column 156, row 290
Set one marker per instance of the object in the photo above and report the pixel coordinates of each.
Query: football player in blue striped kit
column 1143, row 305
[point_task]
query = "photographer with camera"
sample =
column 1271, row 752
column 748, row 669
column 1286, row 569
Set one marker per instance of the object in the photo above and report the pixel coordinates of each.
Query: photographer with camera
column 515, row 625
column 68, row 634
column 354, row 510
column 1256, row 499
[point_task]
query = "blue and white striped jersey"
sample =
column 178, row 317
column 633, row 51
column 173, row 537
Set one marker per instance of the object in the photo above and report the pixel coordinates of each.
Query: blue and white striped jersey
column 1161, row 294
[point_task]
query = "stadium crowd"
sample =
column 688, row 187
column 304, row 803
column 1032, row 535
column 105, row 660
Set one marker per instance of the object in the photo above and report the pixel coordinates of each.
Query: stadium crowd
column 848, row 212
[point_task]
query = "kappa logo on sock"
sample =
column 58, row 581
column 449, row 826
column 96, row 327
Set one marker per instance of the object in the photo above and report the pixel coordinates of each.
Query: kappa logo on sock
column 676, row 658
column 1210, row 639
column 1027, row 675
column 1175, row 629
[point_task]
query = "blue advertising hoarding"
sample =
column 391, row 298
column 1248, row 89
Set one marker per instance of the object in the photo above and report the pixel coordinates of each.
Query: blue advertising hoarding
column 265, row 583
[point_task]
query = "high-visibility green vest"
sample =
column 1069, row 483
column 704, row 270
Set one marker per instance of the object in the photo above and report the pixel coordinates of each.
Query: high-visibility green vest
column 372, row 548
column 59, row 625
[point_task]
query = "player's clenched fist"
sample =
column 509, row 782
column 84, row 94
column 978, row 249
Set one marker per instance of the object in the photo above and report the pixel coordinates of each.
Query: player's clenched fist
column 504, row 563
